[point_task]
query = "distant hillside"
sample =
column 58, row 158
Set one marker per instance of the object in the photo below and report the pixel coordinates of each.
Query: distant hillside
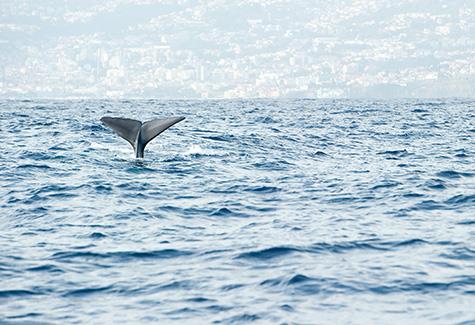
column 223, row 49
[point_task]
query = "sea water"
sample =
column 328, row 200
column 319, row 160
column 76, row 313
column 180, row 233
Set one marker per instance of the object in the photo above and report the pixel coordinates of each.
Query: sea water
column 266, row 211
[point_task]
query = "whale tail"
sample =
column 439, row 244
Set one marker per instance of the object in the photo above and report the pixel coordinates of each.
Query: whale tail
column 139, row 134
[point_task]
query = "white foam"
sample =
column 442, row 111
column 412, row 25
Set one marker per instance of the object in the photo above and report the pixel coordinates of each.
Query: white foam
column 96, row 145
column 195, row 149
column 110, row 147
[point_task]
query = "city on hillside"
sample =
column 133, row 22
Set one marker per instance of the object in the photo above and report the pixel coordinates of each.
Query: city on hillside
column 237, row 49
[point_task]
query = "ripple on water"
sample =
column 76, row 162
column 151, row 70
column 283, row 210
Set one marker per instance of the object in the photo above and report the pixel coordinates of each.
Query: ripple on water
column 82, row 292
column 452, row 174
column 41, row 156
column 18, row 294
column 225, row 212
column 268, row 253
column 121, row 256
column 32, row 167
column 436, row 184
column 328, row 248
column 262, row 189
column 392, row 154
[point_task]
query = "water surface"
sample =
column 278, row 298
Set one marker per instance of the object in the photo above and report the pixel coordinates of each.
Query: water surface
column 288, row 211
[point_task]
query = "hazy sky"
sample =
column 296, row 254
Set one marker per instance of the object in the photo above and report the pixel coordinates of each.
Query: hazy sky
column 227, row 49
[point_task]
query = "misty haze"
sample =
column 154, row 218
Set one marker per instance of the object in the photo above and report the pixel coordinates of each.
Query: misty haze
column 237, row 49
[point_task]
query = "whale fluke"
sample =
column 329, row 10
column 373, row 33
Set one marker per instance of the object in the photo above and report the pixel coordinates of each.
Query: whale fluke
column 126, row 128
column 138, row 134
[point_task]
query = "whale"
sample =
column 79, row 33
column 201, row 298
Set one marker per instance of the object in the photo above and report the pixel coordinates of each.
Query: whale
column 139, row 134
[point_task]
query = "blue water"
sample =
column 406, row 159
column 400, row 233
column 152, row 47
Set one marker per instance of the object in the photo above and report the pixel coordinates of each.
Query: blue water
column 287, row 211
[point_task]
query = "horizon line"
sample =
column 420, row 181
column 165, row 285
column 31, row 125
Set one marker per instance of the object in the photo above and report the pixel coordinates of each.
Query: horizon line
column 234, row 98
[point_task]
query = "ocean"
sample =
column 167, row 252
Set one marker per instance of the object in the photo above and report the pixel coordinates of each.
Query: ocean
column 248, row 211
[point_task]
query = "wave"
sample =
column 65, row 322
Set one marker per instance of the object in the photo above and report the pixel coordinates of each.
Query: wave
column 87, row 291
column 453, row 174
column 121, row 256
column 225, row 212
column 18, row 293
column 325, row 248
